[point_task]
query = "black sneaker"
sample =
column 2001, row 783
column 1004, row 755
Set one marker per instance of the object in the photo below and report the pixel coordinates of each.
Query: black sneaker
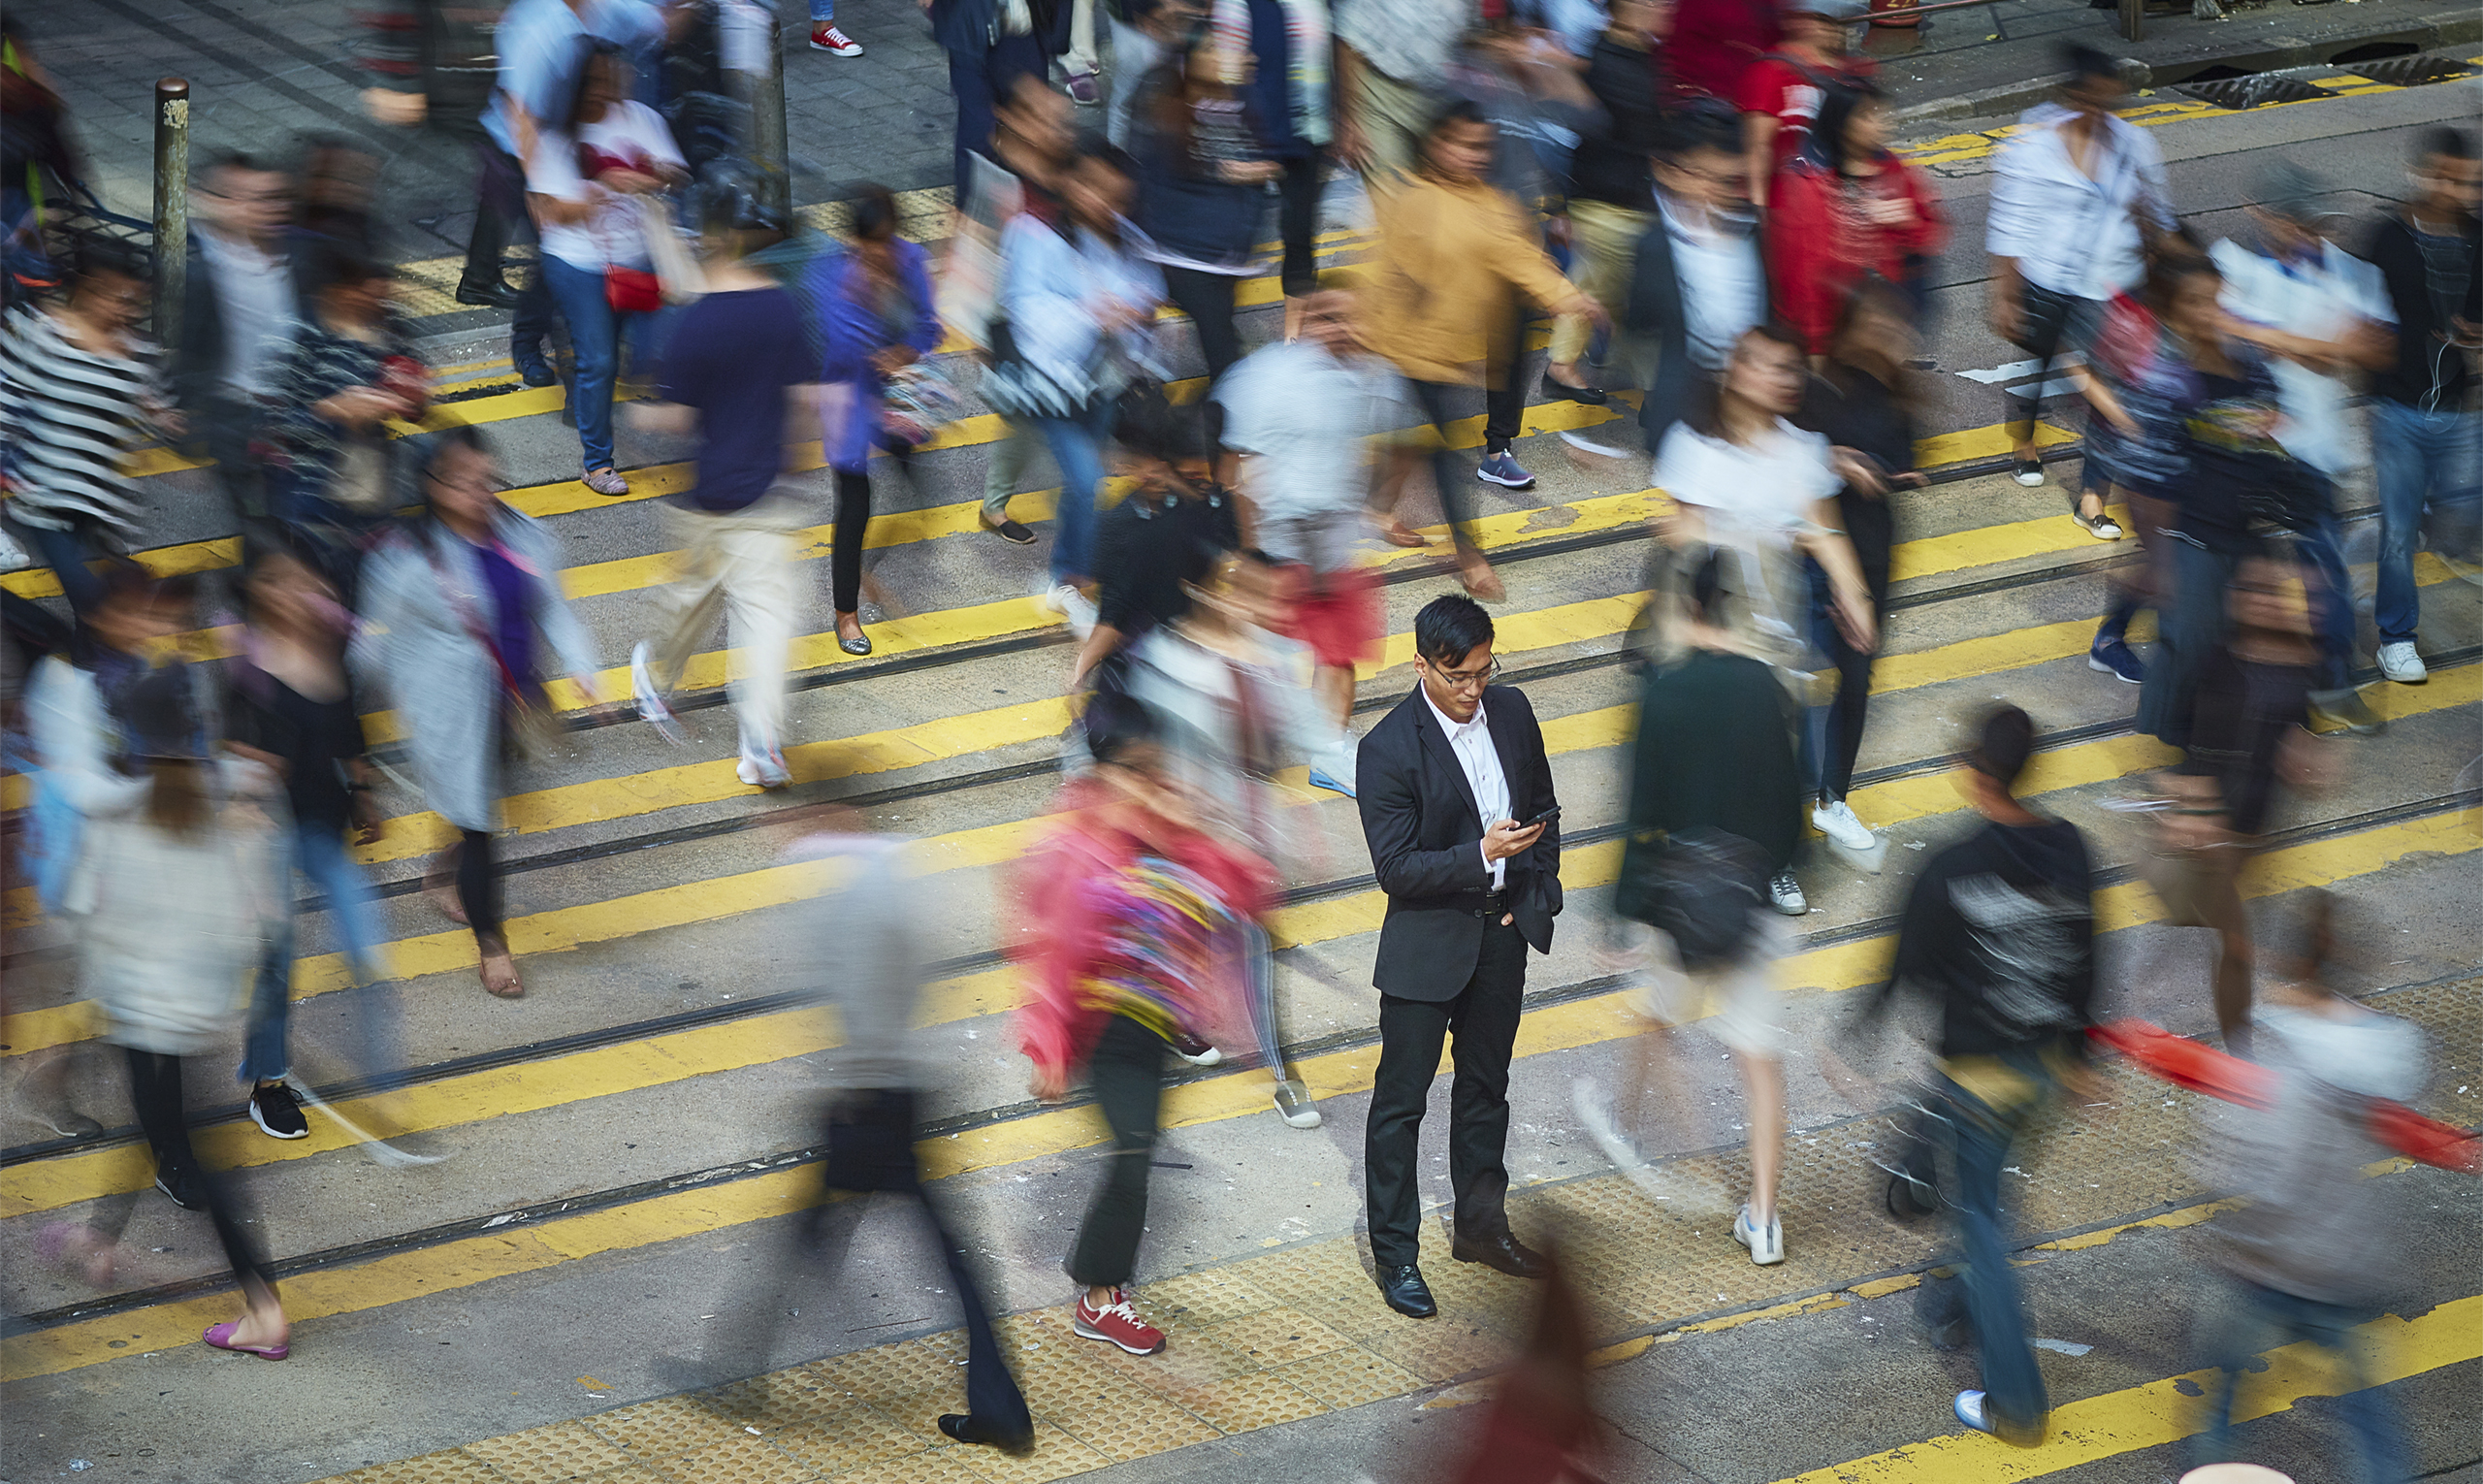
column 2030, row 473
column 1196, row 1052
column 1011, row 531
column 537, row 373
column 179, row 1185
column 277, row 1111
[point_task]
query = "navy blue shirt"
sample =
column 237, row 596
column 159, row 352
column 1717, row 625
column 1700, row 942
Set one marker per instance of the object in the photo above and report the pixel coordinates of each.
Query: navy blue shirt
column 732, row 356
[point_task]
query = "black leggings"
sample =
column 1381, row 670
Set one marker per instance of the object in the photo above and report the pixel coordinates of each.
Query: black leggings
column 478, row 885
column 1127, row 1071
column 155, row 1093
column 1207, row 300
column 2046, row 317
column 853, row 528
column 1298, row 222
column 1867, row 525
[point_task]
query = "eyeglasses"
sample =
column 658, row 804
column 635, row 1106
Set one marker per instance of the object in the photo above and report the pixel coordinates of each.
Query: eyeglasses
column 1465, row 680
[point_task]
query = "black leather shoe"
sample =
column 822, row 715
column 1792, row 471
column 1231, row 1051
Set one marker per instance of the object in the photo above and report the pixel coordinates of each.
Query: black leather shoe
column 966, row 1429
column 1406, row 1293
column 494, row 296
column 1503, row 1252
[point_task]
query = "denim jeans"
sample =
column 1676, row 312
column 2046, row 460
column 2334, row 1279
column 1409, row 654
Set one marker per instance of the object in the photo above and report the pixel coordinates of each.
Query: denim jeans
column 318, row 853
column 1078, row 447
column 1135, row 53
column 2252, row 1319
column 2192, row 622
column 67, row 553
column 2331, row 600
column 1986, row 1290
column 596, row 332
column 2419, row 458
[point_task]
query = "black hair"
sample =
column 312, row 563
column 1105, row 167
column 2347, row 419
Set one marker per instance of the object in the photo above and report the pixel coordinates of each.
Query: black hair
column 2002, row 746
column 98, row 255
column 1837, row 107
column 1708, row 123
column 336, row 263
column 1114, row 721
column 731, row 199
column 1449, row 628
column 161, row 711
column 872, row 212
column 598, row 54
column 1457, row 110
column 1096, row 150
column 1147, row 423
column 1706, row 413
column 2443, row 141
column 2084, row 63
column 2166, row 270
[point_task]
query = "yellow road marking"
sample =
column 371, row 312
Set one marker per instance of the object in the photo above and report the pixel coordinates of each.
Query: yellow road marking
column 2137, row 1417
column 52, row 1183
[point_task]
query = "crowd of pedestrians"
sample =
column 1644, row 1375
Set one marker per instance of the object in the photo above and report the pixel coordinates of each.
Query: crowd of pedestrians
column 1704, row 203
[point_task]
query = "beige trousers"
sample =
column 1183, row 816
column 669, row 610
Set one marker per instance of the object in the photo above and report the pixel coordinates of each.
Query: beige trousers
column 741, row 562
column 1604, row 241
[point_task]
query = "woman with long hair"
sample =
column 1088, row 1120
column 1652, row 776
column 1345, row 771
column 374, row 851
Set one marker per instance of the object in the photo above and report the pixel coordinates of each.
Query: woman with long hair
column 463, row 603
column 583, row 185
column 1141, row 922
column 876, row 318
column 1846, row 209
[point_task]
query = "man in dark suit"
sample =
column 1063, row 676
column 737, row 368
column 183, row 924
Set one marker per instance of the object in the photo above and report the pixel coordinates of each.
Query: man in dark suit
column 1700, row 278
column 1456, row 795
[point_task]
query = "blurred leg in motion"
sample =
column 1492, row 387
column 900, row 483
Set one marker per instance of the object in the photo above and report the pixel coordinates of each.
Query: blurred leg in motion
column 1000, row 477
column 1298, row 227
column 1986, row 1294
column 1451, row 475
column 2251, row 1319
column 1127, row 1073
column 155, row 1090
column 853, row 528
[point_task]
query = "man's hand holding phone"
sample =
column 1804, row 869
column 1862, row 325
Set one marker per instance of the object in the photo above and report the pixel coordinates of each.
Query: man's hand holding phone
column 1508, row 837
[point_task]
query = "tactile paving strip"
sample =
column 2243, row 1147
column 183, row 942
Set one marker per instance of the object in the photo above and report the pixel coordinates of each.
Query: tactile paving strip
column 1244, row 1351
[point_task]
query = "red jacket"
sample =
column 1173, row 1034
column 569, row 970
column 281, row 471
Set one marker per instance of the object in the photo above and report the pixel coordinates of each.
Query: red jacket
column 1819, row 246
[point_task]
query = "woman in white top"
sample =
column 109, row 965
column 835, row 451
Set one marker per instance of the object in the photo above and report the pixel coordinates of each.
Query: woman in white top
column 1750, row 485
column 581, row 184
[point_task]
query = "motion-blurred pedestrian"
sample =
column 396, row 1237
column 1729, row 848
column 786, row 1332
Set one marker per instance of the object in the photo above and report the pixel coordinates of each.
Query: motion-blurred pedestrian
column 1715, row 41
column 1459, row 812
column 990, row 44
column 460, row 606
column 1392, row 68
column 584, row 184
column 245, row 294
column 79, row 389
column 1081, row 303
column 1746, row 480
column 1303, row 414
column 1999, row 931
column 1715, row 804
column 2427, row 443
column 1277, row 55
column 1783, row 93
column 352, row 370
column 2316, row 1245
column 290, row 706
column 1139, row 914
column 1032, row 150
column 877, row 318
column 1698, row 280
column 1846, row 209
column 2320, row 313
column 2077, row 196
column 1611, row 199
column 1150, row 545
column 738, row 370
column 1455, row 254
column 38, row 160
column 432, row 64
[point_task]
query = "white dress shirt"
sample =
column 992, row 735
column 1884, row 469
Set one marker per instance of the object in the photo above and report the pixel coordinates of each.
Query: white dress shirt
column 2072, row 233
column 1472, row 742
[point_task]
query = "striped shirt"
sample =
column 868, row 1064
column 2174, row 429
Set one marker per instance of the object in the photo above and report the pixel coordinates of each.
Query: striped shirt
column 68, row 420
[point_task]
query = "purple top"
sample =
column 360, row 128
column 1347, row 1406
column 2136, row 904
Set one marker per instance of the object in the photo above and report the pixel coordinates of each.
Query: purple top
column 511, row 623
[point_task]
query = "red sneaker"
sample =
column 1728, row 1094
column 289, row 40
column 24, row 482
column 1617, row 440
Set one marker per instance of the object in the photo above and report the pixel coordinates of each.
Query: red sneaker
column 1117, row 1324
column 826, row 37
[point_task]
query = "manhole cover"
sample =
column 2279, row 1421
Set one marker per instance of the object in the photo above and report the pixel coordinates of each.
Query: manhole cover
column 2410, row 71
column 2252, row 91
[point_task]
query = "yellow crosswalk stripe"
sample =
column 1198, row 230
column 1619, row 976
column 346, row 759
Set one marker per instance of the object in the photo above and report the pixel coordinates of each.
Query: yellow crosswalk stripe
column 2139, row 1417
column 51, row 1183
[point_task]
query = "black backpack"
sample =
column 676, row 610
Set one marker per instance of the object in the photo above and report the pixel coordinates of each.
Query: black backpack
column 1703, row 887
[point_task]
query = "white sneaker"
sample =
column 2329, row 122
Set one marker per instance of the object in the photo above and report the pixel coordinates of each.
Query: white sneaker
column 1785, row 893
column 1074, row 606
column 2399, row 662
column 1767, row 1248
column 652, row 709
column 1970, row 1409
column 1594, row 1107
column 768, row 771
column 1834, row 819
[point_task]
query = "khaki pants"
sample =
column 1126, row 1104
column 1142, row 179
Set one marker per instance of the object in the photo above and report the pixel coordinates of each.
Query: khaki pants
column 741, row 561
column 1393, row 117
column 1605, row 241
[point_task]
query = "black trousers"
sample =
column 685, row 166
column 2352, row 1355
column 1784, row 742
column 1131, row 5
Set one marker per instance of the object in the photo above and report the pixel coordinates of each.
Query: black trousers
column 1504, row 400
column 478, row 884
column 852, row 528
column 1449, row 470
column 500, row 218
column 1298, row 222
column 1867, row 525
column 1207, row 300
column 2046, row 317
column 155, row 1093
column 1482, row 1019
column 1127, row 1073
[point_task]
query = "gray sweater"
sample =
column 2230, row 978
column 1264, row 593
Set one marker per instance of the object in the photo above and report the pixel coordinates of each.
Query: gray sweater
column 868, row 956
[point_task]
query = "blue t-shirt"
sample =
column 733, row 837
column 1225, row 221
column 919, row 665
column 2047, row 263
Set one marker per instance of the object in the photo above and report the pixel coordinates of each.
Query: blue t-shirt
column 731, row 357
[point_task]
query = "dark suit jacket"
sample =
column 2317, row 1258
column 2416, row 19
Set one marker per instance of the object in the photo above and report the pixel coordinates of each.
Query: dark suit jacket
column 1653, row 312
column 198, row 368
column 1426, row 838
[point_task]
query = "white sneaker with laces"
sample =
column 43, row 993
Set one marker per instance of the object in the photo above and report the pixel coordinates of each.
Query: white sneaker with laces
column 1834, row 819
column 2400, row 663
column 1766, row 1246
column 1076, row 607
column 651, row 703
column 764, row 771
column 1785, row 893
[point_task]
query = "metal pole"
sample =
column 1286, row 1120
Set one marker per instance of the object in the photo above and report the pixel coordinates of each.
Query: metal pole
column 2133, row 20
column 767, row 134
column 172, row 207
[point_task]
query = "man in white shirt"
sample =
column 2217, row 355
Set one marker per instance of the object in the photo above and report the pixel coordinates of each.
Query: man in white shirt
column 1459, row 811
column 1698, row 283
column 243, row 304
column 2322, row 313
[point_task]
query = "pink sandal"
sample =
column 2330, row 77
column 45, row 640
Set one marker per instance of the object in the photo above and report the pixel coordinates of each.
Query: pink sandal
column 221, row 1335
